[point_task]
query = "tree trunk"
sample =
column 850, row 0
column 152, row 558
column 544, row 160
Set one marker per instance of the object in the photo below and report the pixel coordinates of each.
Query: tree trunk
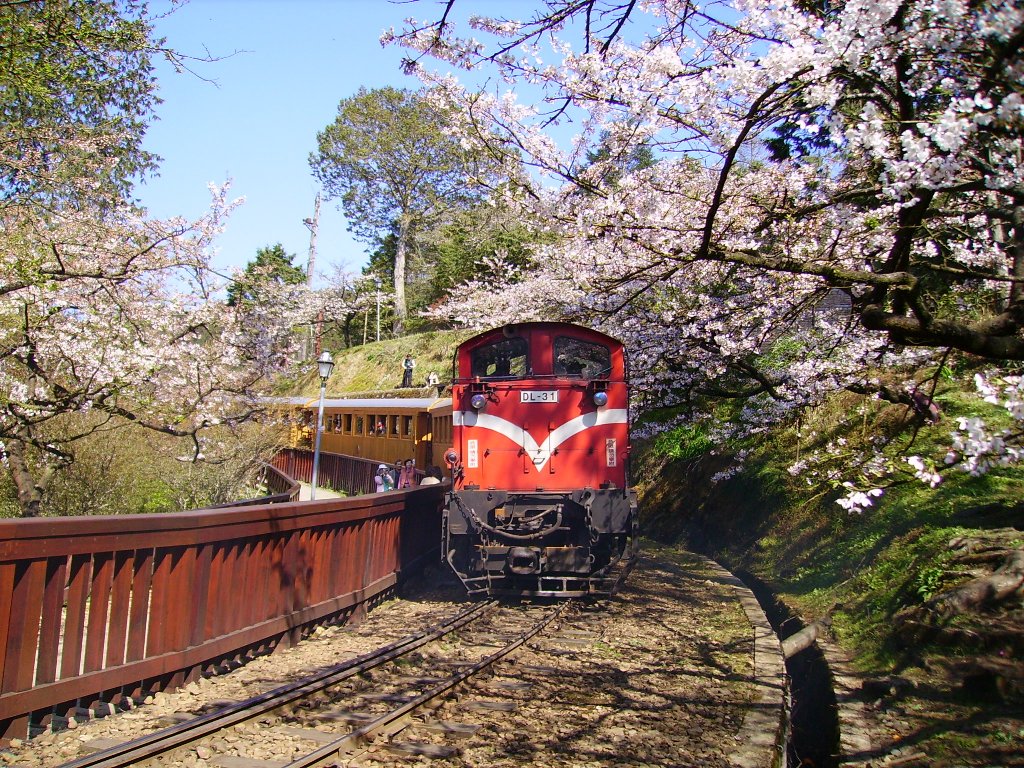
column 30, row 490
column 346, row 330
column 401, row 312
column 1005, row 582
column 1017, row 257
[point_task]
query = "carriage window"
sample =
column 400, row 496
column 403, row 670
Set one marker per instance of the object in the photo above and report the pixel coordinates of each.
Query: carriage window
column 378, row 425
column 394, row 425
column 359, row 425
column 407, row 423
column 348, row 423
column 336, row 423
column 503, row 359
column 581, row 359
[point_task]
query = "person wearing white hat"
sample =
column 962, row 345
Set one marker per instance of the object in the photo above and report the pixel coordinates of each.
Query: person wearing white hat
column 383, row 479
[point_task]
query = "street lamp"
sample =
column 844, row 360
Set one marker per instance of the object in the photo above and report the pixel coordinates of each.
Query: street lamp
column 324, row 364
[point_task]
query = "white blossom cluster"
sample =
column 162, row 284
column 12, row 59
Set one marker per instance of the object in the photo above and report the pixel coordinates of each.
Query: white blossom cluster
column 902, row 124
column 978, row 448
column 116, row 314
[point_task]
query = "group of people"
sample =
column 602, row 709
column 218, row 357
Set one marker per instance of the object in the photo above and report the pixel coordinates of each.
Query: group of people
column 408, row 365
column 403, row 475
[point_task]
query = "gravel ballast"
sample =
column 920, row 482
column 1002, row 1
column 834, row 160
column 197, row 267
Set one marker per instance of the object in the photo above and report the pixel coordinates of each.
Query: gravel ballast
column 675, row 670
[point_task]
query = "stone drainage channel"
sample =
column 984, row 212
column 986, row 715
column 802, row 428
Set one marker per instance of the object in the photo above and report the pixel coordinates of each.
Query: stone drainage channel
column 814, row 719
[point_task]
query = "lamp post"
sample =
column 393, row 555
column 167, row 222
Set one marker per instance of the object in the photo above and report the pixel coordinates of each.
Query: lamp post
column 324, row 364
column 377, row 281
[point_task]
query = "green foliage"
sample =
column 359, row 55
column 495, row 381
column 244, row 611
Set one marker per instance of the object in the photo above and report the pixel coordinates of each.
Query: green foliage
column 386, row 156
column 792, row 533
column 141, row 472
column 782, row 351
column 76, row 94
column 8, row 497
column 620, row 161
column 683, row 442
column 929, row 580
column 272, row 265
column 396, row 171
column 462, row 248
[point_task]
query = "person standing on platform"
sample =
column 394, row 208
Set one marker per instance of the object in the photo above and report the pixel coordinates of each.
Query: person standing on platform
column 407, row 365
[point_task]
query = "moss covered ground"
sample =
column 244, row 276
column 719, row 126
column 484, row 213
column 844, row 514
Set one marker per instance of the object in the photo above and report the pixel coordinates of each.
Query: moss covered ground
column 945, row 680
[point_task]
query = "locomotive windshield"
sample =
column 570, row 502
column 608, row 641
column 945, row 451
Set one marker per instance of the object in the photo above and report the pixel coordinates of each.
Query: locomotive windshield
column 504, row 359
column 581, row 359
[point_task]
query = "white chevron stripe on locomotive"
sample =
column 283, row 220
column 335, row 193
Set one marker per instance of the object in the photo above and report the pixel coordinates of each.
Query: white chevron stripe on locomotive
column 539, row 452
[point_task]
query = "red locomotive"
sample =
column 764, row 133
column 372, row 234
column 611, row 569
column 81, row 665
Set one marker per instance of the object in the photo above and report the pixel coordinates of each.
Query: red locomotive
column 540, row 501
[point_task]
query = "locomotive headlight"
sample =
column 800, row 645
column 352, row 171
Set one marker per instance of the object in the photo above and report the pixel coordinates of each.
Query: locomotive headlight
column 600, row 399
column 478, row 401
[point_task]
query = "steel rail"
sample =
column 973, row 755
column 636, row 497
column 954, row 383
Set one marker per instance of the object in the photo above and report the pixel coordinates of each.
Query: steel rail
column 330, row 750
column 149, row 746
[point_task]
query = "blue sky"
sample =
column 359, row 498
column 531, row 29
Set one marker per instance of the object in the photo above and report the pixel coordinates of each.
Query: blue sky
column 253, row 116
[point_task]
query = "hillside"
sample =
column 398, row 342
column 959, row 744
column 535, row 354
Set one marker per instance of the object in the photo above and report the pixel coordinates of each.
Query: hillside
column 376, row 368
column 923, row 590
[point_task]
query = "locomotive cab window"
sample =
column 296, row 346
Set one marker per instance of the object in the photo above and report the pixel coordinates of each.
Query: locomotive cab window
column 505, row 359
column 576, row 358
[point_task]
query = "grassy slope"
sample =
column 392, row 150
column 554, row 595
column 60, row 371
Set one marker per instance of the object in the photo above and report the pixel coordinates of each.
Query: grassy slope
column 866, row 572
column 377, row 367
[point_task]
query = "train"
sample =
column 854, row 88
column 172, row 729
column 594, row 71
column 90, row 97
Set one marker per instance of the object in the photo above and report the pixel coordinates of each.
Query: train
column 540, row 502
column 381, row 429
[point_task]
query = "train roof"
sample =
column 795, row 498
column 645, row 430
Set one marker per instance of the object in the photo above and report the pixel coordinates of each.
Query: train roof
column 384, row 403
column 380, row 404
column 538, row 325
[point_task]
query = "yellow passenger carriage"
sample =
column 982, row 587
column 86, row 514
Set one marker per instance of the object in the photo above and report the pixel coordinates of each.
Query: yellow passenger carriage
column 381, row 429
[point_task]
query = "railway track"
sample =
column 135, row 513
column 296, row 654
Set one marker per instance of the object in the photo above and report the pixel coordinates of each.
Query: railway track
column 672, row 671
column 341, row 711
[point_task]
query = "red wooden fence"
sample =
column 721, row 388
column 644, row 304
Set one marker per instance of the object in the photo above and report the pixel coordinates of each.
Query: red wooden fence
column 349, row 474
column 97, row 609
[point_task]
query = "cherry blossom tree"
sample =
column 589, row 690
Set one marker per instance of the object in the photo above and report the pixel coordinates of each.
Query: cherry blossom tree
column 278, row 316
column 107, row 317
column 111, row 322
column 803, row 150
